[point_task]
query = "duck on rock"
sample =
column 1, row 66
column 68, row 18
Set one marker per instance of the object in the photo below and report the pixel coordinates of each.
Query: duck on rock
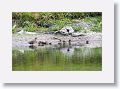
column 41, row 43
column 33, row 41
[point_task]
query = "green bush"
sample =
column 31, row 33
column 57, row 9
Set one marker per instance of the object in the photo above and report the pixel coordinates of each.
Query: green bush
column 79, row 28
column 30, row 26
column 32, row 21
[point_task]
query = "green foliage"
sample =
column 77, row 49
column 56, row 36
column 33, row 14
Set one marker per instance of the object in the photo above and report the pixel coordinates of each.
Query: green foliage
column 32, row 21
column 21, row 18
column 79, row 28
column 95, row 22
column 63, row 22
column 14, row 28
column 29, row 26
column 59, row 24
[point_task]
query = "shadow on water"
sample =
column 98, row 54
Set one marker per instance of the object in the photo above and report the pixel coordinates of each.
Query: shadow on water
column 57, row 58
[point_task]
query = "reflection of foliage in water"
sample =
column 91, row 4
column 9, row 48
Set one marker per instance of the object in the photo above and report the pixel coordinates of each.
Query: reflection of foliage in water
column 84, row 59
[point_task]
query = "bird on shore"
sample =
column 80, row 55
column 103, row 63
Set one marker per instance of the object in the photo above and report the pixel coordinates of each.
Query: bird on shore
column 60, row 42
column 87, row 42
column 67, row 30
column 33, row 41
column 41, row 43
column 32, row 47
column 64, row 42
column 69, row 42
column 50, row 43
column 68, row 49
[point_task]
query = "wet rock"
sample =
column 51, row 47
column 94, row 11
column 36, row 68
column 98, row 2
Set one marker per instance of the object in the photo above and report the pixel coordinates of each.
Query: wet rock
column 76, row 34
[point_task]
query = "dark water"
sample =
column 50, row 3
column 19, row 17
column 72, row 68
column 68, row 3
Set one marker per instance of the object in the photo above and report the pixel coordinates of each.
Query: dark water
column 57, row 59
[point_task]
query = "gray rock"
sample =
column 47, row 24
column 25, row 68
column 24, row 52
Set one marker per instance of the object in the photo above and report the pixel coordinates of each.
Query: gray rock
column 76, row 34
column 66, row 30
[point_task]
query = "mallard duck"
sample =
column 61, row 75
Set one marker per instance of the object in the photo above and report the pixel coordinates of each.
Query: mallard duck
column 41, row 43
column 87, row 42
column 44, row 43
column 50, row 43
column 59, row 42
column 32, row 47
column 69, row 42
column 33, row 41
column 68, row 49
column 64, row 42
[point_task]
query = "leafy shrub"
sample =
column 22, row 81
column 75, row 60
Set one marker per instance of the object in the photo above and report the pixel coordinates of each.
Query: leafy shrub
column 29, row 26
column 53, row 21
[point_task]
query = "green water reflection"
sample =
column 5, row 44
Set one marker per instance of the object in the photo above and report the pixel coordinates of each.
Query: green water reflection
column 55, row 59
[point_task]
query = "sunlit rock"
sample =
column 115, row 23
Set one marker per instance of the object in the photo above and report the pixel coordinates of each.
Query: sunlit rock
column 25, row 32
column 76, row 34
column 66, row 30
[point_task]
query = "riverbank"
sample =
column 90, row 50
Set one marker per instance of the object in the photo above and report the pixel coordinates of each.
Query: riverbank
column 94, row 40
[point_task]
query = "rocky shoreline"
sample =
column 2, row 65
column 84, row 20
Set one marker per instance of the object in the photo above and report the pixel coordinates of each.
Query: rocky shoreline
column 91, row 40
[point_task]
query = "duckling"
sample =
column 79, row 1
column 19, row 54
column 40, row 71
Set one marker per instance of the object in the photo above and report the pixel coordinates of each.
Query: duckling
column 69, row 42
column 41, row 43
column 87, row 42
column 33, row 41
column 44, row 43
column 64, row 42
column 50, row 43
column 32, row 47
column 68, row 49
column 59, row 42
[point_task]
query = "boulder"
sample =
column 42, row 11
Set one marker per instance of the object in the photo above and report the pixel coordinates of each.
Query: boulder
column 76, row 34
column 66, row 30
column 25, row 32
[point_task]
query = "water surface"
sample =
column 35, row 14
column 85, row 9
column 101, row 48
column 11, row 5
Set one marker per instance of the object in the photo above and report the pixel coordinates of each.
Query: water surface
column 57, row 59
